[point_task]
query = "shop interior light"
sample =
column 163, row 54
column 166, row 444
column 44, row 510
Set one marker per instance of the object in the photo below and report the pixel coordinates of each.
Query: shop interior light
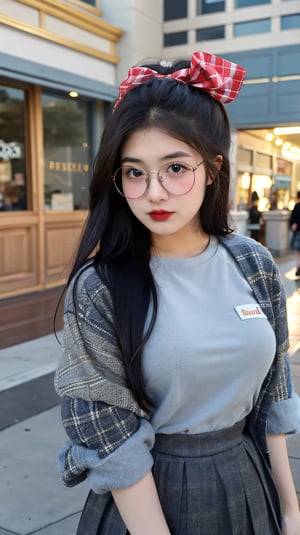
column 278, row 142
column 269, row 136
column 291, row 154
column 287, row 145
column 286, row 130
column 245, row 180
column 73, row 94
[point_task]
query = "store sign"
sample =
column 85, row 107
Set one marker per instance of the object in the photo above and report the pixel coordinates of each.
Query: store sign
column 282, row 182
column 284, row 167
column 10, row 151
column 68, row 167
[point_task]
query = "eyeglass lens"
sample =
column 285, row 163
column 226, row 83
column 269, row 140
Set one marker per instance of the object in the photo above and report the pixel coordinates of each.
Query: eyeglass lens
column 177, row 178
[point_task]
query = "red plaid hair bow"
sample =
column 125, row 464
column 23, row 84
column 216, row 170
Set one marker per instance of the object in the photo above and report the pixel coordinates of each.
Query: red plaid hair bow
column 221, row 78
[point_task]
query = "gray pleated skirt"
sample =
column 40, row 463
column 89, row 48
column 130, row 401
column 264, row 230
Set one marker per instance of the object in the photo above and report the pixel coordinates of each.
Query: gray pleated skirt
column 209, row 484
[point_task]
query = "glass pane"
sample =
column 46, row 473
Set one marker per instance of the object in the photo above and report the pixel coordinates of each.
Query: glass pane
column 66, row 152
column 245, row 156
column 255, row 26
column 91, row 2
column 177, row 38
column 242, row 191
column 209, row 6
column 214, row 32
column 263, row 160
column 250, row 3
column 12, row 149
column 289, row 22
column 175, row 9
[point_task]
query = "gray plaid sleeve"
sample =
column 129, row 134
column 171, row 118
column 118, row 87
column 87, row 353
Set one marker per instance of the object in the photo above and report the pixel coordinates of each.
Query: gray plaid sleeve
column 97, row 425
column 119, row 469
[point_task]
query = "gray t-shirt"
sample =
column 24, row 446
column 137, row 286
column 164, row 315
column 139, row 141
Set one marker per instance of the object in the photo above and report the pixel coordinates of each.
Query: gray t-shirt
column 211, row 346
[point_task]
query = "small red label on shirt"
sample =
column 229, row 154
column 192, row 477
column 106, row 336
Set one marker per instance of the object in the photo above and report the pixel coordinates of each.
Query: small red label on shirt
column 249, row 312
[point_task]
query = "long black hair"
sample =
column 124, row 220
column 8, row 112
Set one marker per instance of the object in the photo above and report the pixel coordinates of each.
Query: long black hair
column 118, row 243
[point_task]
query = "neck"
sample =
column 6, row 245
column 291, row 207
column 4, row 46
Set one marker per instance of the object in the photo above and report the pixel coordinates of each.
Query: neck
column 168, row 246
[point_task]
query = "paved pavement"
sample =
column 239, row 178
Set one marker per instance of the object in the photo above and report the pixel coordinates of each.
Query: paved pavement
column 32, row 499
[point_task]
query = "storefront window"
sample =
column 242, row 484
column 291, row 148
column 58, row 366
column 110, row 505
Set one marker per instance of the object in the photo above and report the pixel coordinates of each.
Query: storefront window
column 66, row 152
column 263, row 160
column 12, row 149
column 245, row 156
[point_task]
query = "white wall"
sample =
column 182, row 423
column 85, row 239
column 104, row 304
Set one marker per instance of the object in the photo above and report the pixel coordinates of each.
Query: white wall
column 142, row 22
column 29, row 47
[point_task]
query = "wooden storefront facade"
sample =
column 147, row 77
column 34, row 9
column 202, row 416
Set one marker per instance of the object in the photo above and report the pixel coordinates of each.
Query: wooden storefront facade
column 48, row 135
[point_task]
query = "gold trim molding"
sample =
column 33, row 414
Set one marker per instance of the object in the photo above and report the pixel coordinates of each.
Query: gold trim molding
column 55, row 38
column 76, row 17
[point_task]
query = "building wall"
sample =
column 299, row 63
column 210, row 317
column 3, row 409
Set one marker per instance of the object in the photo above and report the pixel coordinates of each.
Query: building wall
column 56, row 34
column 229, row 19
column 271, row 92
column 48, row 139
column 142, row 23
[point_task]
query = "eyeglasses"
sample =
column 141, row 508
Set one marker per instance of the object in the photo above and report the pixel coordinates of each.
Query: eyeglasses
column 177, row 178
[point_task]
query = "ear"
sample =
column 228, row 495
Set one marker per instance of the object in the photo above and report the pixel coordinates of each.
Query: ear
column 218, row 163
column 219, row 160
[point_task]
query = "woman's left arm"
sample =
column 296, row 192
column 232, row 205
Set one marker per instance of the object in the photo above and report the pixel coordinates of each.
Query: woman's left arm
column 285, row 485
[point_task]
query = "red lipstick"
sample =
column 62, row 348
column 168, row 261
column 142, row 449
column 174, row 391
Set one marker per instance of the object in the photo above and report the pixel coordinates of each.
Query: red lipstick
column 160, row 215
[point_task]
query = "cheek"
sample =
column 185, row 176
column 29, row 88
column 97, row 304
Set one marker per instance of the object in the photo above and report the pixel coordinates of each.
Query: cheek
column 197, row 196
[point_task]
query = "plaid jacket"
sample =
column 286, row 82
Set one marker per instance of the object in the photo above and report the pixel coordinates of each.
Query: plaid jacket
column 99, row 412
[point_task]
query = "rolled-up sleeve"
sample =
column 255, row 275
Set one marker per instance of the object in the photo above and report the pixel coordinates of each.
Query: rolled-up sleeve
column 284, row 415
column 108, row 445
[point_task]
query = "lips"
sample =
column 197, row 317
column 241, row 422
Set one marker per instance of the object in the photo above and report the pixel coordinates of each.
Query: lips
column 160, row 215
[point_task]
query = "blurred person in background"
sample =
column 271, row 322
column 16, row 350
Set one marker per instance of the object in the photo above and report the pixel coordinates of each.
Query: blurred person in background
column 295, row 228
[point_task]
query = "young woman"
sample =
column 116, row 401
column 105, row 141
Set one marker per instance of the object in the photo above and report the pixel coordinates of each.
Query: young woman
column 174, row 362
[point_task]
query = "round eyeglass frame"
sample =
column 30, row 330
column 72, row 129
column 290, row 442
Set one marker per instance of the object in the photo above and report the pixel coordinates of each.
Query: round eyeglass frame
column 159, row 177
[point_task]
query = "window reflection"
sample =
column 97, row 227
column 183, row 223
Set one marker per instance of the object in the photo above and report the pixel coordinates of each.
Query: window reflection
column 12, row 149
column 209, row 6
column 213, row 32
column 175, row 9
column 66, row 152
column 290, row 22
column 250, row 3
column 252, row 27
column 176, row 38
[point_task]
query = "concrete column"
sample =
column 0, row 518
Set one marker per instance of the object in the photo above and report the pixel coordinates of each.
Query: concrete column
column 239, row 221
column 277, row 231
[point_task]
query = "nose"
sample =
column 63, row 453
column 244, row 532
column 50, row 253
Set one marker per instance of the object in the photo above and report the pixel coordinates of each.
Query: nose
column 155, row 190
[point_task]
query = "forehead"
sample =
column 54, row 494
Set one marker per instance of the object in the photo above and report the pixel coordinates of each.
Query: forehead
column 155, row 142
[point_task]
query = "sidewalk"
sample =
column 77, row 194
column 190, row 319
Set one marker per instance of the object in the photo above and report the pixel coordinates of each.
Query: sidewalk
column 32, row 498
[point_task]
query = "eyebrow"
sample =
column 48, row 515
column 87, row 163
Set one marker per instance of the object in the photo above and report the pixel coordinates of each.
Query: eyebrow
column 171, row 156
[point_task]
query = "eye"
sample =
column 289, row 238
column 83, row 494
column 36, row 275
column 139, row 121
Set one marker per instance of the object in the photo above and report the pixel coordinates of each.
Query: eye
column 133, row 173
column 177, row 168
